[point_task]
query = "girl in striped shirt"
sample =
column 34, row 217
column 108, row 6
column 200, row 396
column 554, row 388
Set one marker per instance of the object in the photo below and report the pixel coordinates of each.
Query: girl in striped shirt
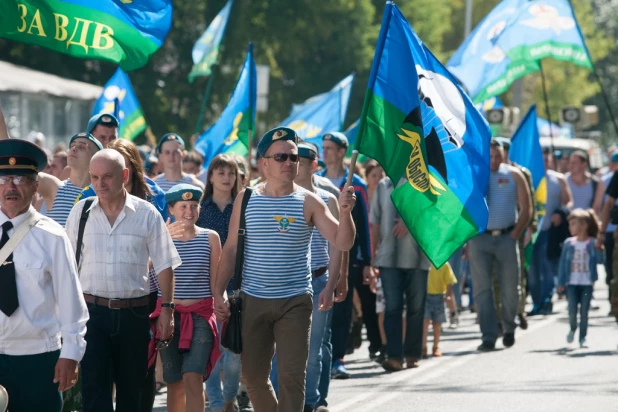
column 193, row 351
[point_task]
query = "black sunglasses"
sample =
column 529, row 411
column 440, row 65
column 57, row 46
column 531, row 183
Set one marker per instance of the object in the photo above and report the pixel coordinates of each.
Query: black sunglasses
column 282, row 157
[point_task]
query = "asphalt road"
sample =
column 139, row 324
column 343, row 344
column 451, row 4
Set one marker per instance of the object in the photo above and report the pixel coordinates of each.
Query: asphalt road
column 541, row 372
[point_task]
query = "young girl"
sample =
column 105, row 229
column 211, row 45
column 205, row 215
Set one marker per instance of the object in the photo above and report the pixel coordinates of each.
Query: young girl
column 577, row 270
column 193, row 351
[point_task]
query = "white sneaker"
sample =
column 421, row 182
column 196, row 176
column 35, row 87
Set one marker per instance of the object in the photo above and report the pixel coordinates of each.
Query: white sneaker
column 570, row 336
column 582, row 343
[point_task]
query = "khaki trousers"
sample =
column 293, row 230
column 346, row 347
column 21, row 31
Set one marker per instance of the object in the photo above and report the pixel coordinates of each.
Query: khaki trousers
column 284, row 323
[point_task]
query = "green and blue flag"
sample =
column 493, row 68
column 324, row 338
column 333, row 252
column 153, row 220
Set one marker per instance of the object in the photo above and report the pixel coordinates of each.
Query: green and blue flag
column 206, row 50
column 126, row 32
column 429, row 138
column 119, row 98
column 512, row 40
column 238, row 117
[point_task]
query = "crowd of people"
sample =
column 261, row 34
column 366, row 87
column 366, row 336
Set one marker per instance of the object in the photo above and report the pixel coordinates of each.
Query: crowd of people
column 122, row 260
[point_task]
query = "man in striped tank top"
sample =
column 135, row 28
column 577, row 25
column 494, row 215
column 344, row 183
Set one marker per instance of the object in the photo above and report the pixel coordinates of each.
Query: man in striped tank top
column 171, row 152
column 510, row 208
column 61, row 195
column 276, row 286
column 586, row 188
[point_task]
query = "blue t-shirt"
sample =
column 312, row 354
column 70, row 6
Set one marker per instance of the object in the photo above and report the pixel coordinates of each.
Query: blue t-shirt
column 157, row 198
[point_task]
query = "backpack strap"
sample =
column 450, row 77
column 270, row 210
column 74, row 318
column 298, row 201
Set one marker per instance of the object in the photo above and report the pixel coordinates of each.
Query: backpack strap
column 240, row 248
column 82, row 226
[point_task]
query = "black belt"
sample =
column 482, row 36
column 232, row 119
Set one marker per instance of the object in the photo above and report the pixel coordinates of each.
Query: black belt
column 319, row 272
column 117, row 303
column 499, row 232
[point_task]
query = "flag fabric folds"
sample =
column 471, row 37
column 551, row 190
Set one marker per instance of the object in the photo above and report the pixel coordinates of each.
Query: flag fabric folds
column 511, row 42
column 236, row 119
column 120, row 31
column 429, row 138
column 206, row 50
column 118, row 98
column 526, row 151
column 322, row 113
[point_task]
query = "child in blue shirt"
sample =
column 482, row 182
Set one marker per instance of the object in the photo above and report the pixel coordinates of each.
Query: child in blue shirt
column 577, row 270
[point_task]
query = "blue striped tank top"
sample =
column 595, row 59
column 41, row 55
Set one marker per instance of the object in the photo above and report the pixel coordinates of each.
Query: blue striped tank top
column 277, row 248
column 319, row 245
column 502, row 199
column 166, row 185
column 583, row 196
column 192, row 277
column 63, row 202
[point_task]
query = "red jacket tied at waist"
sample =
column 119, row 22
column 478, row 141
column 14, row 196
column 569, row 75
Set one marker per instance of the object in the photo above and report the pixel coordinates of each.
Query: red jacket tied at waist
column 203, row 308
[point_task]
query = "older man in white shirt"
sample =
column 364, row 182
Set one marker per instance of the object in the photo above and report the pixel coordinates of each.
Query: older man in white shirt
column 42, row 310
column 120, row 234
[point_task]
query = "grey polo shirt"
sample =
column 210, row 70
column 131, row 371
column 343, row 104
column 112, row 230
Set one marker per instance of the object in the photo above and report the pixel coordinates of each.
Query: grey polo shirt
column 401, row 253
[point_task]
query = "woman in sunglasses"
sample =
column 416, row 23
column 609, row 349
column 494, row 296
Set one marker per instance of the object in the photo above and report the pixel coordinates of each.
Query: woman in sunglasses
column 193, row 350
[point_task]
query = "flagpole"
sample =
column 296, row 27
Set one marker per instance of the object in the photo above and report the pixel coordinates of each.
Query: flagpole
column 547, row 109
column 200, row 119
column 596, row 74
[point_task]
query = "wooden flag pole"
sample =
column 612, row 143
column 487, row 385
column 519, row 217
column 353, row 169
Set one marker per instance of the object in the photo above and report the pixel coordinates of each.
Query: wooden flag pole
column 547, row 109
column 348, row 183
column 200, row 119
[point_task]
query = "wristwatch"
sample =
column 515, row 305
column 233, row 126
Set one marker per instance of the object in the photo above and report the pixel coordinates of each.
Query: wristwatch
column 170, row 305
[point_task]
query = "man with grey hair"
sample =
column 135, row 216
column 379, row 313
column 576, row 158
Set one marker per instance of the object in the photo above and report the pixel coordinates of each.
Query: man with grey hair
column 121, row 232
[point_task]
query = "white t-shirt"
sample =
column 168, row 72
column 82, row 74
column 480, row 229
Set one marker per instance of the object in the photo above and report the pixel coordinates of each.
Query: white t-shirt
column 580, row 270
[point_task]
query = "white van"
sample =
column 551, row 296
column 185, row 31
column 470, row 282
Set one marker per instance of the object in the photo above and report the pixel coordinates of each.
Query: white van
column 595, row 153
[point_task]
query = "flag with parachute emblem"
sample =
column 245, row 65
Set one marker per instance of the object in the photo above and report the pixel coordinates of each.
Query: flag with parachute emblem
column 429, row 138
column 322, row 113
column 206, row 50
column 236, row 119
column 118, row 98
column 125, row 32
column 526, row 151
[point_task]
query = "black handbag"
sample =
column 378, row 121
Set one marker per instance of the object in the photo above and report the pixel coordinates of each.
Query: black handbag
column 231, row 338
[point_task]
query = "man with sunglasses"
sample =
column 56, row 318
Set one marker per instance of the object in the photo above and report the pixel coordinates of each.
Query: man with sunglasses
column 61, row 195
column 360, row 273
column 277, row 276
column 42, row 310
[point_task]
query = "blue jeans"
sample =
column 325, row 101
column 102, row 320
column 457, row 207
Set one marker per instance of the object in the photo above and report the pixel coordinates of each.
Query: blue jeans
column 542, row 272
column 319, row 324
column 579, row 295
column 456, row 264
column 398, row 284
column 230, row 362
column 327, row 361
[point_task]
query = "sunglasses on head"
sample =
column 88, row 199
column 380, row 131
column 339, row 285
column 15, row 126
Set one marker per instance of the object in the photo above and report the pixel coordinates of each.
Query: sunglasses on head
column 283, row 157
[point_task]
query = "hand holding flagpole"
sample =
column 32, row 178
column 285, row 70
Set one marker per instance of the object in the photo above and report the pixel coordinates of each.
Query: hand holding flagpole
column 347, row 203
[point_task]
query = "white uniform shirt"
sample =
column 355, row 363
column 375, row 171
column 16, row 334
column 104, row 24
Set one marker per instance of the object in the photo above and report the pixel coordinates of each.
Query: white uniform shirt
column 51, row 303
column 114, row 260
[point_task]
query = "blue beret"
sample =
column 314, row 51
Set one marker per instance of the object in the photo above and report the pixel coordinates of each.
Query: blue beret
column 87, row 136
column 338, row 138
column 614, row 158
column 276, row 134
column 307, row 151
column 105, row 119
column 503, row 141
column 173, row 137
column 183, row 191
column 20, row 157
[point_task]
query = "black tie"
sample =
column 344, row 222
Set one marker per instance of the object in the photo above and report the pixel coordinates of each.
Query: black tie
column 8, row 286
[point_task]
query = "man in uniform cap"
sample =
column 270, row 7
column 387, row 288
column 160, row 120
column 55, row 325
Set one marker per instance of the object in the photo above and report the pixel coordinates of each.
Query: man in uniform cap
column 42, row 310
column 171, row 152
column 276, row 285
column 104, row 127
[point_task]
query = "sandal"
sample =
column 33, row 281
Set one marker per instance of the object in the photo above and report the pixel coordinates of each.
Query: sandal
column 436, row 352
column 159, row 386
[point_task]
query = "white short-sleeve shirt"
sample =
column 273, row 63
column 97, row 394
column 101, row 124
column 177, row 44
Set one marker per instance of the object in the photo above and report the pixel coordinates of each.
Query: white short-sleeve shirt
column 114, row 262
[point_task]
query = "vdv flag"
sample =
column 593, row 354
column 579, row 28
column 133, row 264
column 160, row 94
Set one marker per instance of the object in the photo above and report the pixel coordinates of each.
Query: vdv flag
column 322, row 113
column 540, row 29
column 118, row 97
column 237, row 118
column 125, row 32
column 526, row 151
column 206, row 50
column 429, row 138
